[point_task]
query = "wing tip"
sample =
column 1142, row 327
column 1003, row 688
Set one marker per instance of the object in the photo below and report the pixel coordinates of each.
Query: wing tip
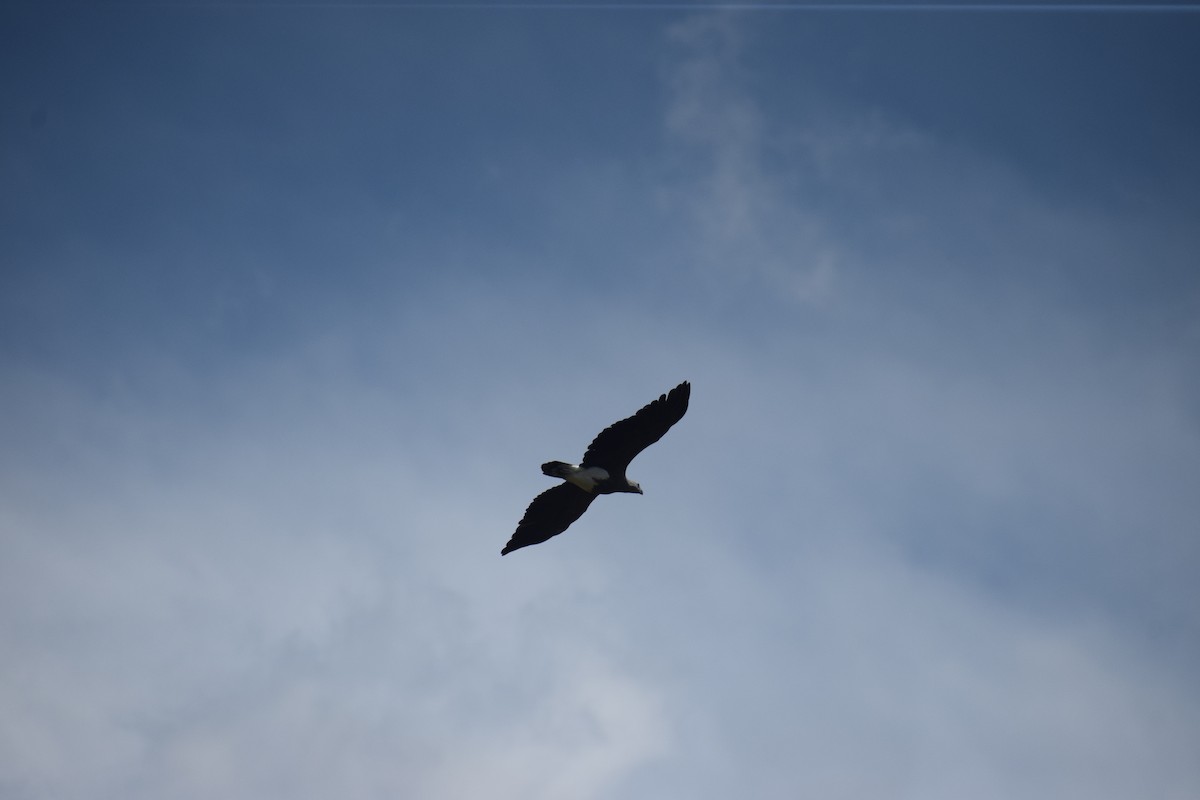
column 681, row 393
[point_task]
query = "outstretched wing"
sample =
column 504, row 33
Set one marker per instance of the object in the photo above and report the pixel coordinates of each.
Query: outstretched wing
column 550, row 513
column 620, row 442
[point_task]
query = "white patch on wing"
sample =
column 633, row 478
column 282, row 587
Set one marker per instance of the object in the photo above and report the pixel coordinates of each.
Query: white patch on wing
column 587, row 477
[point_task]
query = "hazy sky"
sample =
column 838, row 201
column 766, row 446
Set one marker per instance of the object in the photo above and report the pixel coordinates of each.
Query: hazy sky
column 294, row 301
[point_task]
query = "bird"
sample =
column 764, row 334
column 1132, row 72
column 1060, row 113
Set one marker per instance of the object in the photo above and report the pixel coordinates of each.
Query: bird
column 602, row 470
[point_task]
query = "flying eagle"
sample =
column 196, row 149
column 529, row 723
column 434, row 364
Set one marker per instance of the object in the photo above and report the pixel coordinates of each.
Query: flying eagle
column 602, row 470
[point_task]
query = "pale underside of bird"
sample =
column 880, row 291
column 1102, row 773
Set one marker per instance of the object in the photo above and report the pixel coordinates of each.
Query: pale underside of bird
column 602, row 470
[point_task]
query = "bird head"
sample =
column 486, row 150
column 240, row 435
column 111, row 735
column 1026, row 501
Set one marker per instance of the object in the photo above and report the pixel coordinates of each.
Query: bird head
column 634, row 486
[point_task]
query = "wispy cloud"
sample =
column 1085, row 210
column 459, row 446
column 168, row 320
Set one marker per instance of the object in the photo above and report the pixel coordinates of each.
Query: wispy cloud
column 749, row 227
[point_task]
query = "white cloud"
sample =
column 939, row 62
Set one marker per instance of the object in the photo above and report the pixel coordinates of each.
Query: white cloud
column 292, row 608
column 309, row 598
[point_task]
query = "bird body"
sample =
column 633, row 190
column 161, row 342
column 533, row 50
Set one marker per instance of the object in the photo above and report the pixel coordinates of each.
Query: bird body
column 591, row 479
column 602, row 470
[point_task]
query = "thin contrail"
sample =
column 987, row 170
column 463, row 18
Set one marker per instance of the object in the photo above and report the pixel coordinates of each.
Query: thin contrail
column 687, row 5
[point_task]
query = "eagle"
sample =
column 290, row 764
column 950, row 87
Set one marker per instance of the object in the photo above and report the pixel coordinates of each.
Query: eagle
column 602, row 470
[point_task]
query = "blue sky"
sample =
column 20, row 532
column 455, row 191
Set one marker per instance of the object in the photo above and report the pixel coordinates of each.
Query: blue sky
column 295, row 301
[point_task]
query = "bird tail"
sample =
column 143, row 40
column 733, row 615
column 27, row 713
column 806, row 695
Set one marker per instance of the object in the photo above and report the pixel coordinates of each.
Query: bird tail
column 557, row 469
